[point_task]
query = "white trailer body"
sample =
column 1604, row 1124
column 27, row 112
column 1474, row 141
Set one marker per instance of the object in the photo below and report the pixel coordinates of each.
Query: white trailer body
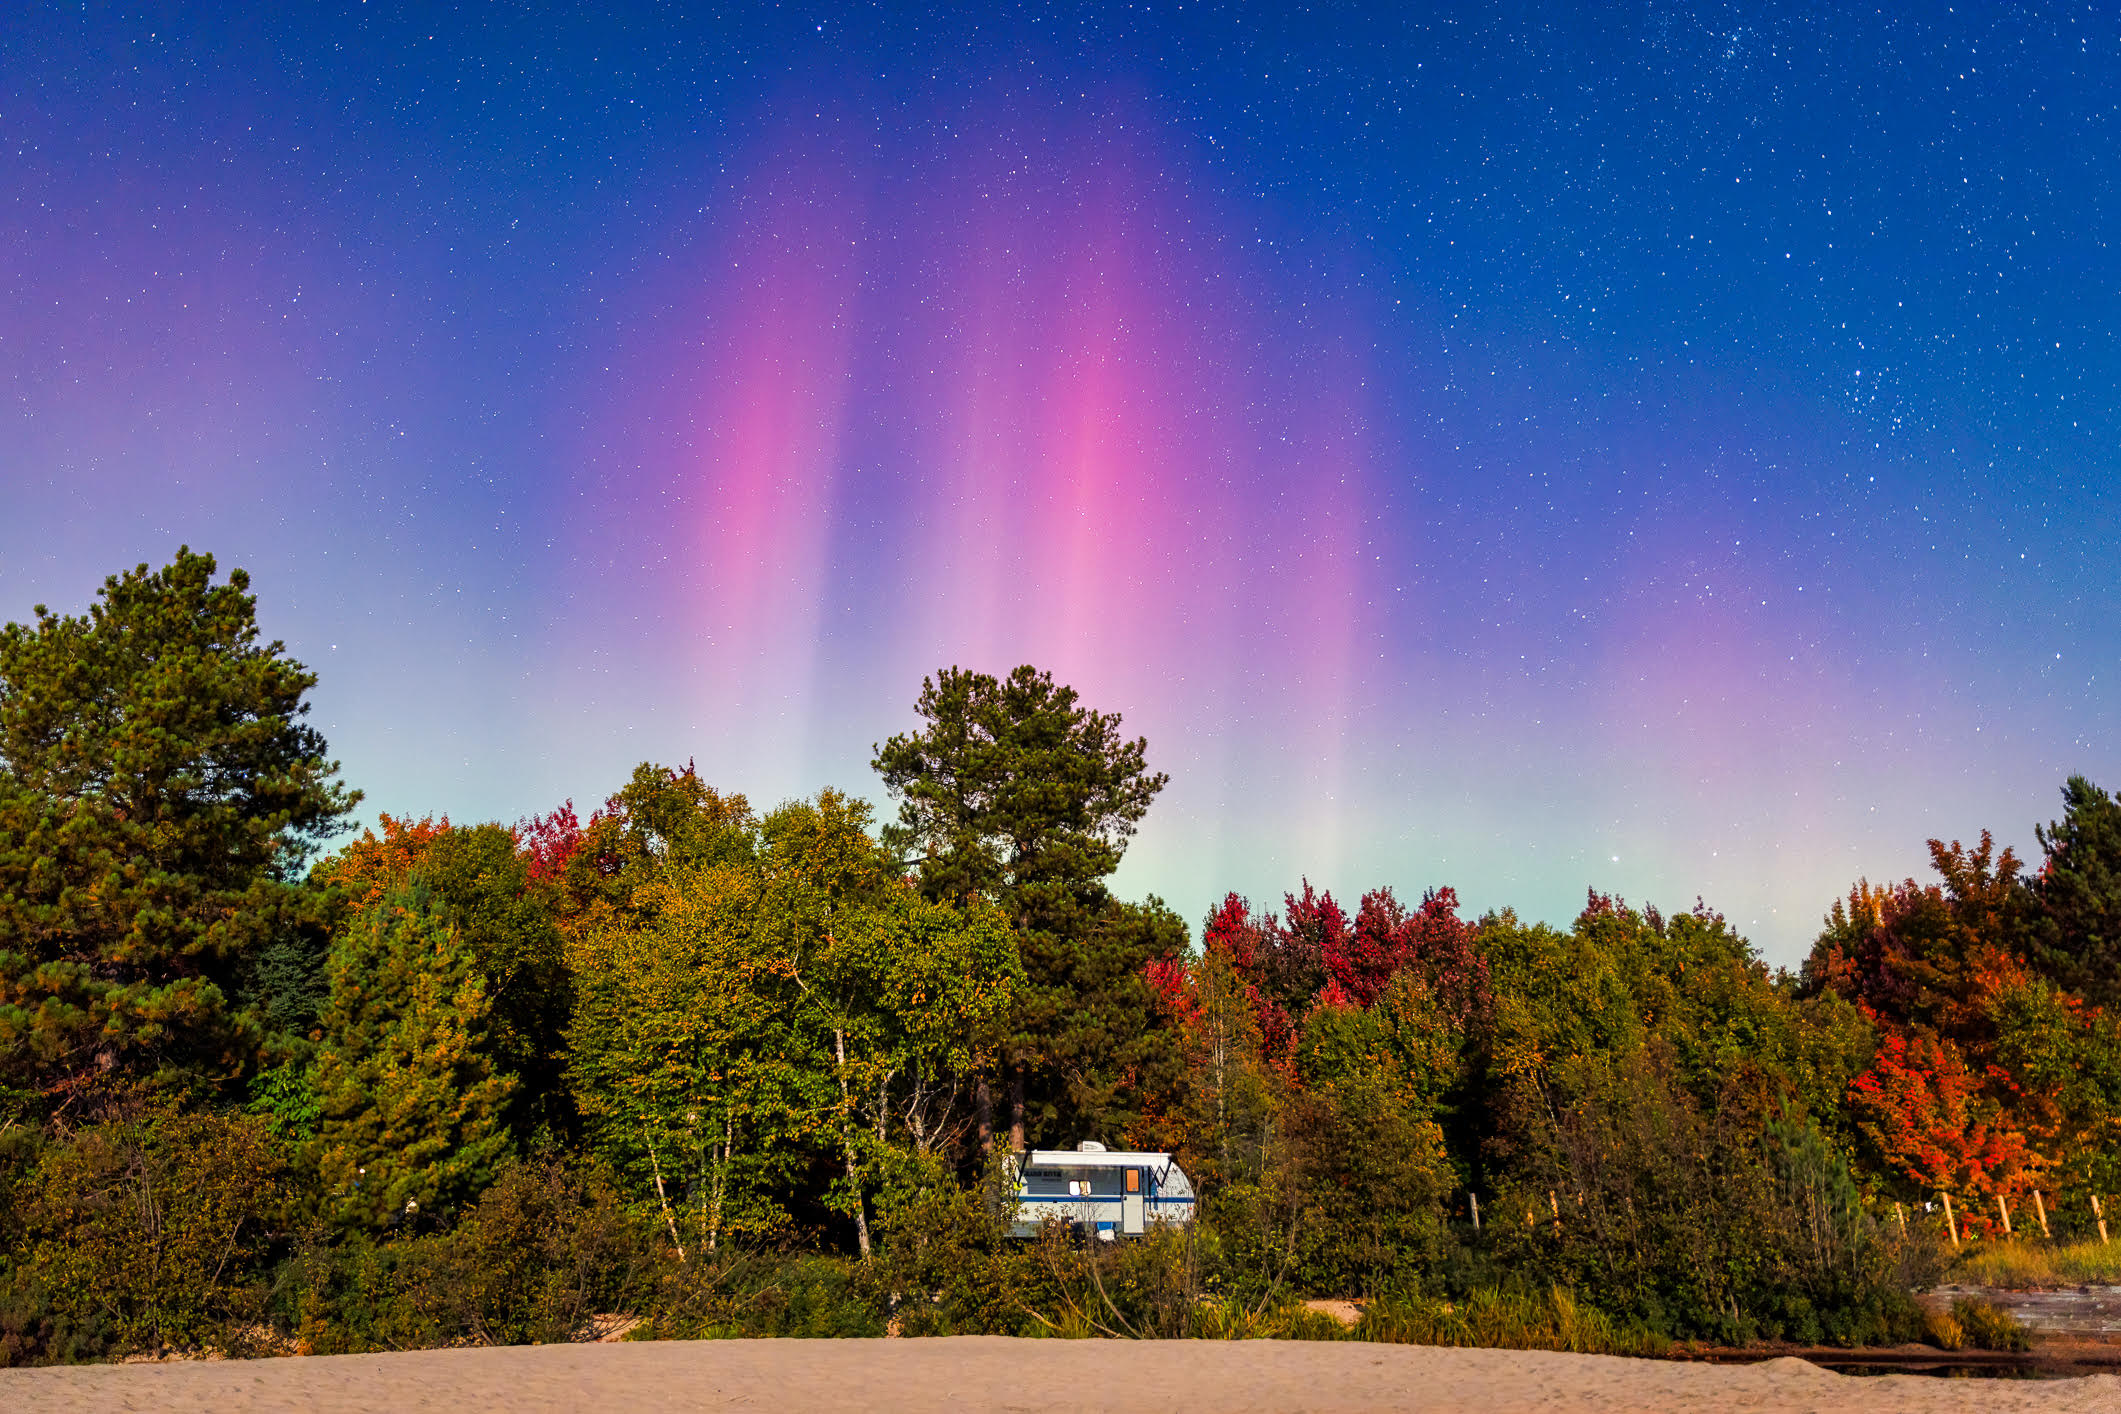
column 1106, row 1192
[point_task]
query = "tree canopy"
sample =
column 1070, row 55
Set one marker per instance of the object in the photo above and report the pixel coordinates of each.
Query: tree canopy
column 2079, row 892
column 1013, row 790
column 735, row 1070
column 159, row 794
column 1016, row 793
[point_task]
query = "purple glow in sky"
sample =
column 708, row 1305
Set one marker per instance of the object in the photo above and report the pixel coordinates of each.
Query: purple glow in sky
column 1671, row 452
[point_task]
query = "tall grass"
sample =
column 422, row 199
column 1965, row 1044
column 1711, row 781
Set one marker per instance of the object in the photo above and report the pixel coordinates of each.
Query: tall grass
column 1507, row 1320
column 1974, row 1324
column 1231, row 1319
column 2026, row 1266
column 1489, row 1319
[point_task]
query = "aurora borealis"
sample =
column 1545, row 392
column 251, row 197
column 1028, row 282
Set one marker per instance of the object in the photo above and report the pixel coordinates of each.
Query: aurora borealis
column 1669, row 449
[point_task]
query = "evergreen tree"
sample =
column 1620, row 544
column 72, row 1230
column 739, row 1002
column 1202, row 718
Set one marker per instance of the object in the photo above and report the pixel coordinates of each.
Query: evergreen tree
column 159, row 791
column 1087, row 1049
column 411, row 1106
column 2079, row 894
column 1015, row 793
column 503, row 920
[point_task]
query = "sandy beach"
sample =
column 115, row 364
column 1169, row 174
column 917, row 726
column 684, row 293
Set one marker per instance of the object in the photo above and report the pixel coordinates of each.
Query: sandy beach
column 996, row 1374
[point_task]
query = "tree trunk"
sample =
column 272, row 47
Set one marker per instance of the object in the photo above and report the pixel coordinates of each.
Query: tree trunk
column 854, row 1177
column 861, row 1212
column 983, row 1107
column 917, row 1114
column 1222, row 1079
column 721, row 1182
column 661, row 1197
column 1016, row 1110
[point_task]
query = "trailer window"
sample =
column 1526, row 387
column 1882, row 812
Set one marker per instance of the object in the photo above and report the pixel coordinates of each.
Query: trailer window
column 1134, row 1180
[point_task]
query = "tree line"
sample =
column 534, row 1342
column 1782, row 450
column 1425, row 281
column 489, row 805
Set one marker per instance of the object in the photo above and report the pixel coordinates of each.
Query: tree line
column 717, row 1069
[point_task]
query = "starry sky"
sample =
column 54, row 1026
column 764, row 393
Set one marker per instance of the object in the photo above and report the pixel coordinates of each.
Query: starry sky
column 1665, row 448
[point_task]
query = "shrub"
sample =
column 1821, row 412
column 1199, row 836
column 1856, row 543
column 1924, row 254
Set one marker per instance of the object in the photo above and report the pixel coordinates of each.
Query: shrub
column 1704, row 1221
column 151, row 1232
column 544, row 1249
column 945, row 1263
column 362, row 1293
column 1989, row 1327
column 739, row 1294
column 1508, row 1320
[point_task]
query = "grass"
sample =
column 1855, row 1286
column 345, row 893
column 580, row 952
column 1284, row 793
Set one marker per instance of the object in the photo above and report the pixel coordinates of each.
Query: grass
column 1504, row 1320
column 1974, row 1324
column 1232, row 1320
column 1489, row 1319
column 2027, row 1266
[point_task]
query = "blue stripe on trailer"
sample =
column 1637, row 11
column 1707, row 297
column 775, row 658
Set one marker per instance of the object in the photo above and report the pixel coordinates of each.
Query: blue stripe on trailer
column 1112, row 1198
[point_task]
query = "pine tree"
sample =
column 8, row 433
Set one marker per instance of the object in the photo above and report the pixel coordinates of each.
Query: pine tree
column 504, row 921
column 411, row 1105
column 159, row 792
column 2079, row 894
column 1016, row 794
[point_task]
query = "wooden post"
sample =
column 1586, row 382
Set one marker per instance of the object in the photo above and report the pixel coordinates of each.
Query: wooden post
column 1901, row 1213
column 2099, row 1213
column 2040, row 1207
column 1474, row 1198
column 1951, row 1224
column 2005, row 1209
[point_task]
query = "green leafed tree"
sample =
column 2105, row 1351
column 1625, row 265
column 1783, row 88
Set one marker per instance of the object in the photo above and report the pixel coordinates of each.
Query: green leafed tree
column 1369, row 1158
column 662, row 820
column 901, row 996
column 1016, row 793
column 795, row 1004
column 689, row 1077
column 511, row 934
column 411, row 1108
column 159, row 791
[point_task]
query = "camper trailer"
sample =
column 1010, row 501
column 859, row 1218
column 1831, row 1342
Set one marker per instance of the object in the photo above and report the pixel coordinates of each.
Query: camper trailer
column 1110, row 1193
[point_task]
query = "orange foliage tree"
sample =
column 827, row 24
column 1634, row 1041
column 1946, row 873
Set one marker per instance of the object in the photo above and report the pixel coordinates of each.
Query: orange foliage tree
column 1987, row 1079
column 366, row 869
column 1932, row 1120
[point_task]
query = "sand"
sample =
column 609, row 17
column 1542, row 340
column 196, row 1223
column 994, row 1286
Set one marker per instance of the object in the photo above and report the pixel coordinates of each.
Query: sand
column 992, row 1374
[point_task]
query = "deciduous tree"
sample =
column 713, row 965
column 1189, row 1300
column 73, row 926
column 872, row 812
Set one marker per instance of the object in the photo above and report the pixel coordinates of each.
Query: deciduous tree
column 503, row 919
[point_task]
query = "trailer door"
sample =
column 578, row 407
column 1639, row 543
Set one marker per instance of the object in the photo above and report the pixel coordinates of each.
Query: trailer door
column 1131, row 1210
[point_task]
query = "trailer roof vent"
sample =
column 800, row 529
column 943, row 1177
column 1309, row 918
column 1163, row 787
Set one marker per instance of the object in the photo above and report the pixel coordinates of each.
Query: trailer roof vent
column 1089, row 1146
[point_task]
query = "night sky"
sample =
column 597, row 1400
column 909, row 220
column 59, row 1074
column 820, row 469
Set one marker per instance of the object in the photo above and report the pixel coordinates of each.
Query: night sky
column 1664, row 448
